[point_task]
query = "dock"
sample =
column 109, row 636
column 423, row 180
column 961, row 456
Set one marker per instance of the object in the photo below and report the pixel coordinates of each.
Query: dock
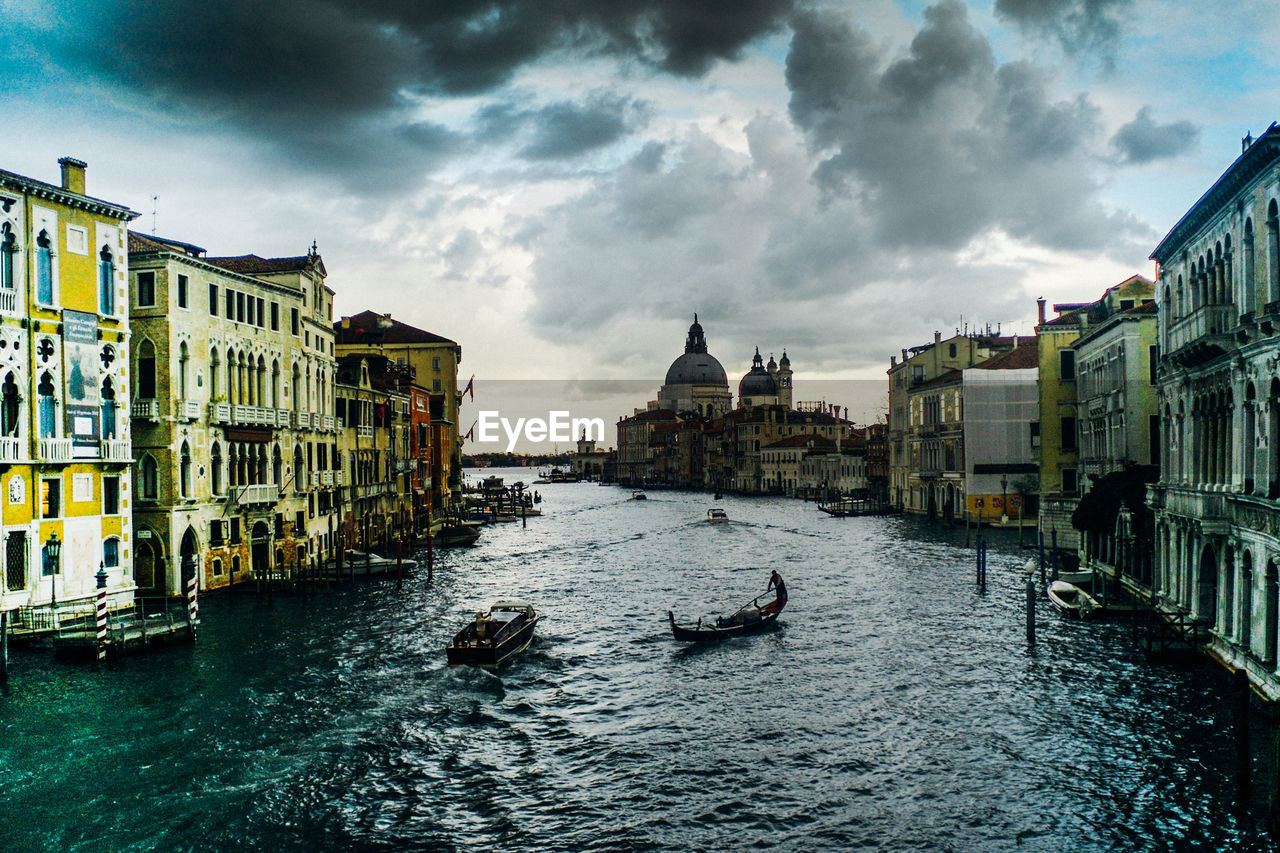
column 130, row 630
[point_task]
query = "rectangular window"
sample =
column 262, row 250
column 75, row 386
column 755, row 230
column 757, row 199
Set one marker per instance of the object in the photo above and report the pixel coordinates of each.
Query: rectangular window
column 110, row 495
column 230, row 313
column 111, row 553
column 1067, row 365
column 239, row 307
column 182, row 292
column 1126, row 304
column 146, row 289
column 1068, row 434
column 261, row 313
column 435, row 386
column 275, row 316
column 235, row 531
column 248, row 313
column 215, row 533
column 293, row 321
column 1035, row 433
column 1153, row 356
column 213, row 299
column 300, row 523
column 50, row 498
column 1069, row 484
column 435, row 363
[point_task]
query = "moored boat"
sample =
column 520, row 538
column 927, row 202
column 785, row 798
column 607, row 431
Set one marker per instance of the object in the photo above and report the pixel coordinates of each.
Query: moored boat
column 1072, row 601
column 638, row 495
column 455, row 533
column 715, row 515
column 493, row 637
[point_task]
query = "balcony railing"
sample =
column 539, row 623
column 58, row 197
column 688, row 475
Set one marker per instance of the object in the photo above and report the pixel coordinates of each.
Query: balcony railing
column 1207, row 321
column 261, row 493
column 10, row 449
column 146, row 409
column 303, row 420
column 55, row 449
column 329, row 423
column 115, row 450
column 364, row 431
column 284, row 417
column 188, row 410
column 220, row 413
column 339, row 477
column 8, row 301
column 326, row 478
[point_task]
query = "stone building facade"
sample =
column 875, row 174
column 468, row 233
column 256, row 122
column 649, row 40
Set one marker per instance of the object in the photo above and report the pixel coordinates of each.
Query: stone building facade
column 64, row 393
column 1216, row 513
column 232, row 414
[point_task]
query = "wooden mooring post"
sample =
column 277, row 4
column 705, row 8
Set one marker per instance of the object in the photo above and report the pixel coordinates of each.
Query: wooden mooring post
column 1031, row 612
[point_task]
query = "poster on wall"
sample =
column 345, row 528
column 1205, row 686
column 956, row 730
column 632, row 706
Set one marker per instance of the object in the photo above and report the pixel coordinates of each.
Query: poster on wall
column 80, row 367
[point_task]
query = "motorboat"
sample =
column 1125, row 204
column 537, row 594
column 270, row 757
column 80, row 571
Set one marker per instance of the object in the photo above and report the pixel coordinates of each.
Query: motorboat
column 715, row 515
column 494, row 637
column 1072, row 601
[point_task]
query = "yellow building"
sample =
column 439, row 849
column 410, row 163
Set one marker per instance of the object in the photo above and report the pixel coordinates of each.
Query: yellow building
column 432, row 361
column 1058, row 431
column 64, row 393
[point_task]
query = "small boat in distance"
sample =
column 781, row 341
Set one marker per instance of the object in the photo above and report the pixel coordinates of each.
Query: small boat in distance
column 715, row 515
column 1073, row 601
column 751, row 618
column 638, row 495
column 492, row 638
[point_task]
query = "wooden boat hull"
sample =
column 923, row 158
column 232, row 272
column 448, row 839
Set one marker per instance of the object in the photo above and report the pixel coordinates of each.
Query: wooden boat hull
column 765, row 621
column 456, row 535
column 465, row 651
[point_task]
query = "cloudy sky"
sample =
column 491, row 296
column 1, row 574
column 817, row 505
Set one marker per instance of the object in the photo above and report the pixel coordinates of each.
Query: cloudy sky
column 560, row 184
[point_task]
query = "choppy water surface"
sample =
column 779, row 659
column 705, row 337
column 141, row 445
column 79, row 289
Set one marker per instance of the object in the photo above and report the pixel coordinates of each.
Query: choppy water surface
column 896, row 709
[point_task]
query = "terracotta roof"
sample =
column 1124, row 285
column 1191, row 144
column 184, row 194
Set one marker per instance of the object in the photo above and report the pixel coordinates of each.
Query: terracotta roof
column 947, row 378
column 372, row 328
column 1021, row 357
column 255, row 265
column 804, row 440
column 651, row 415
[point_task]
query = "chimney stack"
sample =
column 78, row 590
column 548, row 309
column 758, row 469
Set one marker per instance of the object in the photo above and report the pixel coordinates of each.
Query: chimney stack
column 937, row 337
column 73, row 174
column 1040, row 309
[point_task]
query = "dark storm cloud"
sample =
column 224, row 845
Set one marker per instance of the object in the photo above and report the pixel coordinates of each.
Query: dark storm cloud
column 943, row 144
column 564, row 129
column 1143, row 141
column 1078, row 25
column 338, row 78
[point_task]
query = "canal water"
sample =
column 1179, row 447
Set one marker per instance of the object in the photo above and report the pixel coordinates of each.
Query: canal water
column 896, row 708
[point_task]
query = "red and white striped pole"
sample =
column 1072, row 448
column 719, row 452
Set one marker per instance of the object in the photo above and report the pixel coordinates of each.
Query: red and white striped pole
column 193, row 604
column 102, row 612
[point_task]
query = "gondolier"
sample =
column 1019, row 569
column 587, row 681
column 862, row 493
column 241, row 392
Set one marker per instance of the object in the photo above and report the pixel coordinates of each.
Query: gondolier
column 776, row 582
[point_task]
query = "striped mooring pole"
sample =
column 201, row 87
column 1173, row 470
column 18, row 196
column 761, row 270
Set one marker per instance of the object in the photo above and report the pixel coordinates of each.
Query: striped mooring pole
column 102, row 612
column 193, row 604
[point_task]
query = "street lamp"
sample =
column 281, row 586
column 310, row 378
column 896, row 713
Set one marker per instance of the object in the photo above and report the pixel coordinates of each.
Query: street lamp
column 52, row 551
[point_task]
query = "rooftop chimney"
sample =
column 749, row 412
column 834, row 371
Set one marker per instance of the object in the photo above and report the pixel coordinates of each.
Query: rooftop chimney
column 1040, row 309
column 937, row 337
column 73, row 174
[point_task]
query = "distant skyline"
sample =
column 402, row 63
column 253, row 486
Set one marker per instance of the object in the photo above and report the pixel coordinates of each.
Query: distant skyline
column 558, row 187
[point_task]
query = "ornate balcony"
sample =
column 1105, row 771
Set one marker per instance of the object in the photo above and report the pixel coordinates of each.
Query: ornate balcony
column 10, row 449
column 364, row 431
column 1201, row 335
column 303, row 420
column 262, row 493
column 8, row 301
column 115, row 450
column 148, row 410
column 326, row 478
column 188, row 410
column 339, row 477
column 284, row 417
column 219, row 413
column 55, row 449
column 329, row 423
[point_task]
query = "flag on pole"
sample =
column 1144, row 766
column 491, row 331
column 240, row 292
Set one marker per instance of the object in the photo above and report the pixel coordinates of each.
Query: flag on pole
column 470, row 389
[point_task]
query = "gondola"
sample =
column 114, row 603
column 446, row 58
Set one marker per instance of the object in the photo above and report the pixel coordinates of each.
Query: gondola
column 751, row 619
column 492, row 638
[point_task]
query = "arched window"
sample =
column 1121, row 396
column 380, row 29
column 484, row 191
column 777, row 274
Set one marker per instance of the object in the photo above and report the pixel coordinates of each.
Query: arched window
column 184, row 470
column 296, row 388
column 215, row 466
column 184, row 363
column 46, row 408
column 150, row 481
column 108, row 409
column 146, row 375
column 10, row 407
column 1273, row 253
column 106, row 282
column 214, row 374
column 110, row 553
column 277, row 466
column 8, row 267
column 261, row 379
column 44, row 268
column 231, row 377
column 299, row 475
column 1248, row 285
column 275, row 383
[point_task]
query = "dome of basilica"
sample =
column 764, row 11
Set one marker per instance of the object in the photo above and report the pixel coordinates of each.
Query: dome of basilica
column 696, row 366
column 758, row 383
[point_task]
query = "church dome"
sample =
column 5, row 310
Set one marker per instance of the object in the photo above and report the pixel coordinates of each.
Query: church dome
column 696, row 366
column 758, row 383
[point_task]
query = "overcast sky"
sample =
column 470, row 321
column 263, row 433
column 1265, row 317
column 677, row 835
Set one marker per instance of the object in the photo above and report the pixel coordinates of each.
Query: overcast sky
column 559, row 184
